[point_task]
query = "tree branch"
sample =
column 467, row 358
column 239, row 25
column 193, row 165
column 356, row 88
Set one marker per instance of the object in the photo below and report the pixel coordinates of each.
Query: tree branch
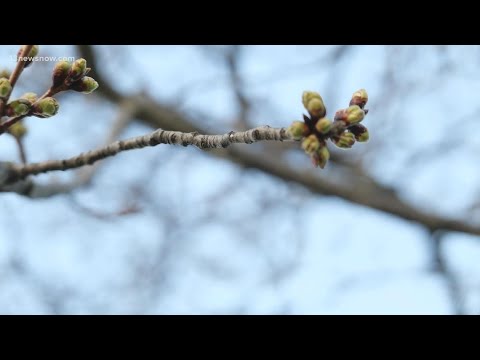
column 440, row 265
column 370, row 193
column 17, row 172
column 83, row 177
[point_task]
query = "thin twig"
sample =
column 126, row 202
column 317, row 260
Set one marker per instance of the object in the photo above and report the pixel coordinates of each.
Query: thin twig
column 155, row 138
column 34, row 189
column 21, row 150
column 20, row 65
column 440, row 265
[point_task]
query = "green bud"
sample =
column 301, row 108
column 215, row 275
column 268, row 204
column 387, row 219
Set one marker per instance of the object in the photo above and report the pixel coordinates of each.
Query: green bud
column 4, row 73
column 18, row 130
column 320, row 158
column 60, row 72
column 30, row 96
column 323, row 125
column 360, row 98
column 311, row 144
column 313, row 102
column 46, row 108
column 309, row 95
column 298, row 130
column 360, row 132
column 345, row 140
column 78, row 70
column 18, row 107
column 5, row 88
column 86, row 85
column 316, row 108
column 33, row 52
column 355, row 114
column 351, row 115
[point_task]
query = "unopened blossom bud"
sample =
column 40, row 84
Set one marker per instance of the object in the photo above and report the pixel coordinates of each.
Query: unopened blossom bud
column 345, row 140
column 18, row 130
column 360, row 132
column 78, row 70
column 18, row 107
column 313, row 102
column 27, row 58
column 360, row 98
column 320, row 157
column 86, row 85
column 5, row 88
column 323, row 125
column 298, row 130
column 30, row 96
column 46, row 108
column 4, row 73
column 60, row 72
column 351, row 115
column 311, row 144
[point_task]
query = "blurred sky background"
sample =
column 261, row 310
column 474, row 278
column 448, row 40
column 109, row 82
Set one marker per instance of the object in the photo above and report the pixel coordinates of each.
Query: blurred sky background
column 213, row 238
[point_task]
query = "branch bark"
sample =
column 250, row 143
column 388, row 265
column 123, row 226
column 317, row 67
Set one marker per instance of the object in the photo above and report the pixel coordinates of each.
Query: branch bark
column 15, row 172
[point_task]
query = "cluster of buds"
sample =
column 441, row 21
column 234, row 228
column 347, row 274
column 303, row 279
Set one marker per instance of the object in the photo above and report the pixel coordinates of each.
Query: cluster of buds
column 72, row 76
column 316, row 129
column 65, row 76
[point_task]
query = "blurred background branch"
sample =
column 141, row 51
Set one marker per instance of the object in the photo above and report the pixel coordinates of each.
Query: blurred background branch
column 252, row 229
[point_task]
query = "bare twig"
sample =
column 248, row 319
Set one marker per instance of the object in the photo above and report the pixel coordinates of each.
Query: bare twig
column 232, row 59
column 155, row 138
column 20, row 65
column 84, row 176
column 441, row 266
column 21, row 150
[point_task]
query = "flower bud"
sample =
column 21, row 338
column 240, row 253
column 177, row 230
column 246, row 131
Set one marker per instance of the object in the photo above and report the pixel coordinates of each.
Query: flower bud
column 309, row 95
column 311, row 144
column 345, row 140
column 46, row 108
column 18, row 107
column 60, row 72
column 4, row 73
column 78, row 70
column 27, row 57
column 86, row 85
column 320, row 158
column 298, row 130
column 30, row 96
column 355, row 114
column 351, row 115
column 5, row 88
column 323, row 125
column 360, row 98
column 360, row 132
column 18, row 130
column 313, row 102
